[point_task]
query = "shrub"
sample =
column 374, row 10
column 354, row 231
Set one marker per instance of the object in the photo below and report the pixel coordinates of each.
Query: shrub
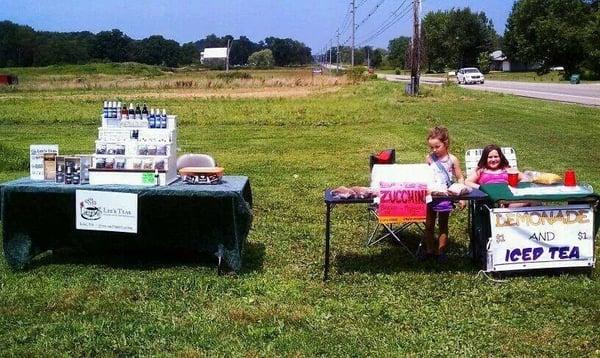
column 228, row 76
column 261, row 59
column 356, row 73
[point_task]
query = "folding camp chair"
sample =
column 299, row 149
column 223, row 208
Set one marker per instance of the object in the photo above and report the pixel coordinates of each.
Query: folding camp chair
column 472, row 157
column 396, row 231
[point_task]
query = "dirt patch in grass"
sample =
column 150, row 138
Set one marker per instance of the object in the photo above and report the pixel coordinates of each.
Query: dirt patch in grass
column 268, row 92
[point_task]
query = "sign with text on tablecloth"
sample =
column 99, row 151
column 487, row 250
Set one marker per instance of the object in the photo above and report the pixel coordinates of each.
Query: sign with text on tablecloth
column 402, row 202
column 106, row 211
column 541, row 237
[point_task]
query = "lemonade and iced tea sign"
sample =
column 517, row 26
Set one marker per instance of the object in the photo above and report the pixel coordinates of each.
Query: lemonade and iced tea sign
column 541, row 237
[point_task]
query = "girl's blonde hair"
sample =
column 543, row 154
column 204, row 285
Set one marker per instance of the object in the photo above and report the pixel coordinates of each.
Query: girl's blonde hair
column 441, row 133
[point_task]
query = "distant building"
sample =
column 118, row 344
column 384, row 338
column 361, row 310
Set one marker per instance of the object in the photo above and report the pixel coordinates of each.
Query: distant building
column 499, row 62
column 215, row 57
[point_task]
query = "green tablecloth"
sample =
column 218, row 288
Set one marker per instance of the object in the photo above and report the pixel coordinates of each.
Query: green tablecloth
column 39, row 216
column 501, row 192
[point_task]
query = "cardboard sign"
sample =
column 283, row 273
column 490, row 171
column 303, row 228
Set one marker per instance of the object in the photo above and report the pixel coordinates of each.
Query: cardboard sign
column 404, row 173
column 36, row 159
column 106, row 211
column 541, row 237
column 402, row 202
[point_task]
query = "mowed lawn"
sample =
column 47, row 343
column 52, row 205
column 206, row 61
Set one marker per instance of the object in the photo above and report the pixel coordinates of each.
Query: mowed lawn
column 378, row 301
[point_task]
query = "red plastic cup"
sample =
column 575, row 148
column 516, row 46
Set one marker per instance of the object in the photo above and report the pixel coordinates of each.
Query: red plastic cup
column 513, row 179
column 569, row 179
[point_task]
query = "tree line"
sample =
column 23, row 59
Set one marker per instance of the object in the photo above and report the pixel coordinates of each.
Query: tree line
column 22, row 46
column 541, row 33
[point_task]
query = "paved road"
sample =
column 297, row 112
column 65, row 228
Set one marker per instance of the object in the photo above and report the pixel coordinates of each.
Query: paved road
column 587, row 94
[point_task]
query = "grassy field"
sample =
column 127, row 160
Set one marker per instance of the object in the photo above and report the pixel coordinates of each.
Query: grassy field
column 294, row 141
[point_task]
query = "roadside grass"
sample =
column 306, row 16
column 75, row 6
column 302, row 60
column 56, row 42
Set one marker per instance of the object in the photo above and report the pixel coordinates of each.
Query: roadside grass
column 378, row 301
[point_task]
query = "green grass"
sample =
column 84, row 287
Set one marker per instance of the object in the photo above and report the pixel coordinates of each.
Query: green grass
column 378, row 301
column 127, row 68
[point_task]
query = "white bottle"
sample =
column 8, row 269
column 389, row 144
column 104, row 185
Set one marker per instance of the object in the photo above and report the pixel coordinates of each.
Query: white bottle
column 118, row 110
column 163, row 119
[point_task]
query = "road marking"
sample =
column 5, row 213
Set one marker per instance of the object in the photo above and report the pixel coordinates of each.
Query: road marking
column 537, row 92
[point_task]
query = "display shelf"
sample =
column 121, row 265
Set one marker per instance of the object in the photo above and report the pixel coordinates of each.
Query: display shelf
column 126, row 166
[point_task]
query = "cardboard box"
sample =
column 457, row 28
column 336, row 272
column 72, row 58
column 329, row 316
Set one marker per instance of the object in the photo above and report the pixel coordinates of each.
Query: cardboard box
column 36, row 159
column 50, row 166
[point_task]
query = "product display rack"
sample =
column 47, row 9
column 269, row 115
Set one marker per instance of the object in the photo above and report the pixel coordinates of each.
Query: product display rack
column 134, row 155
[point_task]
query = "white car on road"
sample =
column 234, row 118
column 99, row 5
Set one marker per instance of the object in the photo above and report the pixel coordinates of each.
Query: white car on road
column 469, row 75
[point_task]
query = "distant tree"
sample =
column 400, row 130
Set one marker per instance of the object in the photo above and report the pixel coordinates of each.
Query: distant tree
column 189, row 54
column 241, row 49
column 261, row 59
column 592, row 44
column 548, row 32
column 112, row 46
column 17, row 44
column 288, row 52
column 456, row 37
column 156, row 50
column 484, row 62
column 62, row 48
column 377, row 57
column 397, row 51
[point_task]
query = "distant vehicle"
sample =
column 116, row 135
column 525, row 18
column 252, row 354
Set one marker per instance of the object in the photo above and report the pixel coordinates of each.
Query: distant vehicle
column 557, row 68
column 469, row 75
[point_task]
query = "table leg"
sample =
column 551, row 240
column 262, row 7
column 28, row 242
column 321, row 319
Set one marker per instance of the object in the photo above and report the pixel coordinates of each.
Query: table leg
column 327, row 238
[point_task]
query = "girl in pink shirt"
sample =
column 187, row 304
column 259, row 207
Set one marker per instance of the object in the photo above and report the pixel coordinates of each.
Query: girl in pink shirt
column 491, row 168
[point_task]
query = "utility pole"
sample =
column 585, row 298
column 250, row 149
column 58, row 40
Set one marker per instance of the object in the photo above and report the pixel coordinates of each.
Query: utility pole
column 416, row 48
column 330, row 52
column 227, row 61
column 337, row 53
column 353, row 29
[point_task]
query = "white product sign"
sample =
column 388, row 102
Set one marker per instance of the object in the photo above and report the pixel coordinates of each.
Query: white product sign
column 106, row 211
column 541, row 237
column 36, row 159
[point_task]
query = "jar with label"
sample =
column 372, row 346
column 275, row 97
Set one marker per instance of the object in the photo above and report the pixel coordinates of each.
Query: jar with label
column 148, row 164
column 161, row 150
column 159, row 165
column 137, row 164
column 120, row 163
column 100, row 163
column 101, row 149
column 60, row 175
column 142, row 150
column 110, row 163
column 151, row 149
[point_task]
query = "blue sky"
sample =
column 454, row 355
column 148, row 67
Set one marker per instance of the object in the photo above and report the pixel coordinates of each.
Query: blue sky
column 310, row 21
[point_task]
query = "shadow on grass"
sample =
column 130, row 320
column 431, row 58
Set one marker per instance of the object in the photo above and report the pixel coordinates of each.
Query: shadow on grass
column 393, row 258
column 149, row 259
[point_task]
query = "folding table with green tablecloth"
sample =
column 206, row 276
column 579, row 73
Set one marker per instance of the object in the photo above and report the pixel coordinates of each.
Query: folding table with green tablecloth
column 38, row 216
column 548, row 227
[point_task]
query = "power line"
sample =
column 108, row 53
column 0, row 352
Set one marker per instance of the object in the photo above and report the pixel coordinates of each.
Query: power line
column 370, row 14
column 391, row 20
